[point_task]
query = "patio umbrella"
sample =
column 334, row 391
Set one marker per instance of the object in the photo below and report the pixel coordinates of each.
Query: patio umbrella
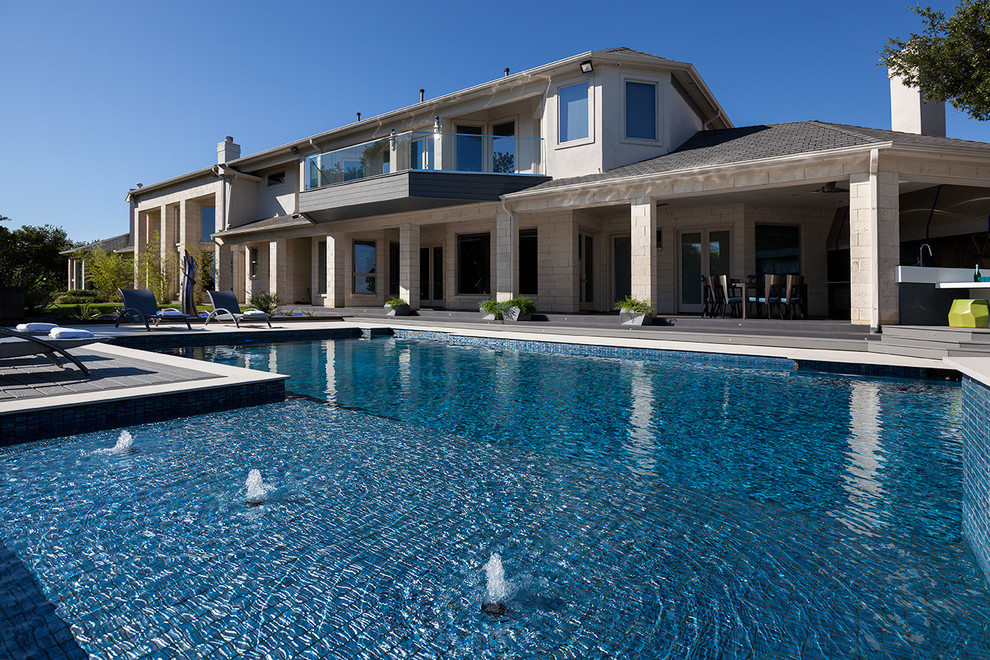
column 189, row 274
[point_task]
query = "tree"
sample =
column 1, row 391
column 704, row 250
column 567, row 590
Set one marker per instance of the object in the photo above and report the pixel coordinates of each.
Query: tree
column 29, row 257
column 950, row 60
column 108, row 272
column 160, row 273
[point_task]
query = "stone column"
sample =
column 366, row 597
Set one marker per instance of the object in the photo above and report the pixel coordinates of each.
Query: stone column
column 409, row 264
column 335, row 271
column 222, row 257
column 505, row 256
column 643, row 231
column 238, row 276
column 874, row 246
column 278, row 270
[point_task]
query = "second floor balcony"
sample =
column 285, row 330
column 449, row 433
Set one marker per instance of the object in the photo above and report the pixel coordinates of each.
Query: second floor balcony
column 427, row 151
column 417, row 171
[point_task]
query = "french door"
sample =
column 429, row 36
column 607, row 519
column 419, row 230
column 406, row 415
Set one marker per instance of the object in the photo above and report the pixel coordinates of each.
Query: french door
column 703, row 252
column 431, row 276
column 586, row 272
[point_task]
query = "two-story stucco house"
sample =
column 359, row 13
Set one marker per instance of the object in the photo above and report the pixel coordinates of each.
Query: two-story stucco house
column 575, row 183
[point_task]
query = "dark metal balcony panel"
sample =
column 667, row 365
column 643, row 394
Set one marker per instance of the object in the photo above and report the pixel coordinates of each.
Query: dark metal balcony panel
column 411, row 190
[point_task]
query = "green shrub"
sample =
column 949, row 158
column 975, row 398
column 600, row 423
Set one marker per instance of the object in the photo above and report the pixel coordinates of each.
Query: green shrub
column 492, row 307
column 266, row 302
column 82, row 310
column 525, row 305
column 76, row 296
column 630, row 303
column 395, row 302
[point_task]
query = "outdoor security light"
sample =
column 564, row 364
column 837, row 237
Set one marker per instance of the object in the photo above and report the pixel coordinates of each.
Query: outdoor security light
column 586, row 67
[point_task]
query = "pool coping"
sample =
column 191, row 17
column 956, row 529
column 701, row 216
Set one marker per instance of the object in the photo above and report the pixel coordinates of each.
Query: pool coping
column 219, row 387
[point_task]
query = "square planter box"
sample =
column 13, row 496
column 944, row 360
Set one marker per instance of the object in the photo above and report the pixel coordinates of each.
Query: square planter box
column 401, row 310
column 514, row 314
column 629, row 317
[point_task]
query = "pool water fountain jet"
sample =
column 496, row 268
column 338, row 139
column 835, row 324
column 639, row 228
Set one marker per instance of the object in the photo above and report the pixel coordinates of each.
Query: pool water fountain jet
column 495, row 574
column 125, row 444
column 256, row 489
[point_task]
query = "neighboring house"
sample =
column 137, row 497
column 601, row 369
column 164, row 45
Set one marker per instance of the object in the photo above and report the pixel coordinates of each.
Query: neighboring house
column 575, row 183
column 78, row 277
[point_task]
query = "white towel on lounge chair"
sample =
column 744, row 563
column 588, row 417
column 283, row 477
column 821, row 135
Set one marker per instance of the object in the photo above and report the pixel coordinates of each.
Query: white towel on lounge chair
column 254, row 312
column 171, row 312
column 70, row 333
column 36, row 327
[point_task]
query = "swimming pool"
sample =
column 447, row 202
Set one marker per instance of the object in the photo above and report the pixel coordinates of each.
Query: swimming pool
column 674, row 507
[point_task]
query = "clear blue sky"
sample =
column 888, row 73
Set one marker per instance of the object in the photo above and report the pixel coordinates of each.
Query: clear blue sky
column 97, row 96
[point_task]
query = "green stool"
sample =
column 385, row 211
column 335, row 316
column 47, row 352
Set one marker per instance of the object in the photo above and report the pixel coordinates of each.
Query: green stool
column 969, row 314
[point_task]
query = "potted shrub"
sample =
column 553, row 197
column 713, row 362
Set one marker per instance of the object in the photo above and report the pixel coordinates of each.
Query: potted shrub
column 634, row 312
column 397, row 307
column 519, row 309
column 491, row 310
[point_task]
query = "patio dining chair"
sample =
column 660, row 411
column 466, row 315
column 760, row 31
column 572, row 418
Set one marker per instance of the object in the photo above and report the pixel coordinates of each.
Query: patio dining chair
column 790, row 298
column 225, row 305
column 14, row 344
column 710, row 308
column 140, row 305
column 773, row 289
column 726, row 300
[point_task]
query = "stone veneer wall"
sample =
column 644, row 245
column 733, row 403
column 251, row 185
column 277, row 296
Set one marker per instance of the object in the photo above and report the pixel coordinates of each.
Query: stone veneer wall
column 976, row 470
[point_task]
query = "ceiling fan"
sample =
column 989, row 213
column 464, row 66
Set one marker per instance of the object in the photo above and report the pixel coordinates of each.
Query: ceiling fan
column 832, row 187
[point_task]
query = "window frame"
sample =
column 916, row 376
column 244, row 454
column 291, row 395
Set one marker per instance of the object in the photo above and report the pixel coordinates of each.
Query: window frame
column 254, row 256
column 268, row 178
column 458, row 283
column 354, row 272
column 657, row 99
column 576, row 142
column 534, row 234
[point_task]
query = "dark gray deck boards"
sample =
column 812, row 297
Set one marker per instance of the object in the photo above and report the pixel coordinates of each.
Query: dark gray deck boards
column 36, row 377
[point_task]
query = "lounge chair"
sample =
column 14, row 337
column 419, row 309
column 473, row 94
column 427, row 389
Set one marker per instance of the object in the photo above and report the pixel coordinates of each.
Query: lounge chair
column 225, row 304
column 14, row 344
column 140, row 305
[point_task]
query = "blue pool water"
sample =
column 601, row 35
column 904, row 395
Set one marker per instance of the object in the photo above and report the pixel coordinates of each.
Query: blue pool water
column 656, row 508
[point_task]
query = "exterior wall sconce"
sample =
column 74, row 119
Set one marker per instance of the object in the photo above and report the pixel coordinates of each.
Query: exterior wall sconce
column 294, row 150
column 586, row 67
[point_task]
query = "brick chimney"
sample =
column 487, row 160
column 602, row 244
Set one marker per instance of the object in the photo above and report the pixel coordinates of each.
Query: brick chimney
column 228, row 151
column 910, row 113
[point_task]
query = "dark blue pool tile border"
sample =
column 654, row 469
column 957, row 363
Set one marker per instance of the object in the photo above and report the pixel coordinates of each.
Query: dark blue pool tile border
column 976, row 469
column 590, row 350
column 27, row 426
column 157, row 340
column 695, row 357
column 877, row 370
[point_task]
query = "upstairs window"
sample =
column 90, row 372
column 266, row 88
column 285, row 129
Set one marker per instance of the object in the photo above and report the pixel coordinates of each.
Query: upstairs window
column 573, row 112
column 641, row 111
column 207, row 223
column 276, row 178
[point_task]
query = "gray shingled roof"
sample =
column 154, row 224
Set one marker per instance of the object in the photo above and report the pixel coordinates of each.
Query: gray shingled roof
column 115, row 244
column 275, row 222
column 749, row 143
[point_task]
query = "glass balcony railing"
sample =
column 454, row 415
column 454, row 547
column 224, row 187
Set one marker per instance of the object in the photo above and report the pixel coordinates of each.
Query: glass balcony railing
column 422, row 150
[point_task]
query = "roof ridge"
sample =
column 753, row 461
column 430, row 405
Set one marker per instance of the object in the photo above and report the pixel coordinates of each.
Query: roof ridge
column 848, row 129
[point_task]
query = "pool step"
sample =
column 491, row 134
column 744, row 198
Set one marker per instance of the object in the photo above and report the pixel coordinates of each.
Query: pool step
column 934, row 342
